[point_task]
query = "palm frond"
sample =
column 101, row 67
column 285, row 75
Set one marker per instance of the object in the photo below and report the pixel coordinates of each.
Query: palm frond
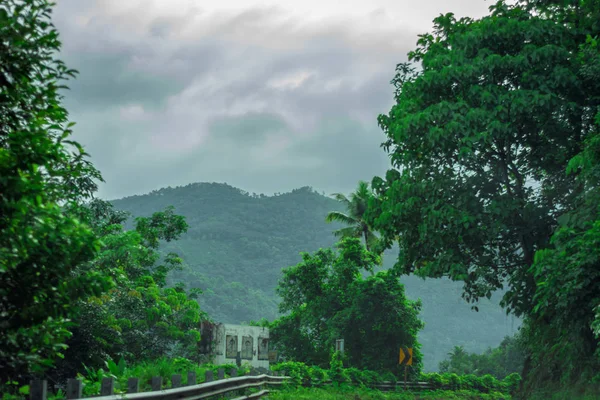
column 341, row 198
column 340, row 217
column 349, row 231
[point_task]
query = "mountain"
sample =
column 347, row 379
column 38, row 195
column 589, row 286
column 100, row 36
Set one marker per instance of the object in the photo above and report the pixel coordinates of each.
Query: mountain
column 238, row 243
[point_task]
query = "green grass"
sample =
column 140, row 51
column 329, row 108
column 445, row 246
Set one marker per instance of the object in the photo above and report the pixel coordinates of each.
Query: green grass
column 355, row 393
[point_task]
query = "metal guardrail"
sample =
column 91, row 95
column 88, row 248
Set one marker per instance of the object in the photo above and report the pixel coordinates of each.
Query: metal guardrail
column 204, row 390
column 388, row 385
column 193, row 392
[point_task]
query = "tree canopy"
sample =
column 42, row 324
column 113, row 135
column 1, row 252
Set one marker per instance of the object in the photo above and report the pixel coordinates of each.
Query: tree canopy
column 325, row 298
column 484, row 139
column 40, row 171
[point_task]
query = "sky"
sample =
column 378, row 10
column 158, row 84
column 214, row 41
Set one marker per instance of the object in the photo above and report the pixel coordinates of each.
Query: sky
column 265, row 96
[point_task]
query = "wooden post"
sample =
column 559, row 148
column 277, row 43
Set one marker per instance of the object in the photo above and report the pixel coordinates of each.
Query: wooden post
column 156, row 383
column 191, row 378
column 133, row 385
column 221, row 373
column 209, row 376
column 38, row 389
column 107, row 387
column 176, row 381
column 74, row 389
column 405, row 373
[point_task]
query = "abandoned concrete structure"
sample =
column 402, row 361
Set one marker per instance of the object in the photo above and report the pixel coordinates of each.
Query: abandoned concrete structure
column 235, row 344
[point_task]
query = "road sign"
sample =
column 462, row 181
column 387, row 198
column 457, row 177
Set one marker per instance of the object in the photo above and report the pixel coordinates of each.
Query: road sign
column 405, row 356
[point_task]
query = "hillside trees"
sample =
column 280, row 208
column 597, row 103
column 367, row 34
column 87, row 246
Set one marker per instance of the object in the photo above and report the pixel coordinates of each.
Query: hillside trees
column 40, row 170
column 480, row 141
column 325, row 298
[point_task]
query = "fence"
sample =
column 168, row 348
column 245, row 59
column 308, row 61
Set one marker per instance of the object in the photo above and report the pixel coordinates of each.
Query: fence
column 210, row 387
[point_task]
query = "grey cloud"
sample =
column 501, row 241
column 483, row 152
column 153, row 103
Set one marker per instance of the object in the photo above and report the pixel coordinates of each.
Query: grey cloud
column 153, row 111
column 250, row 129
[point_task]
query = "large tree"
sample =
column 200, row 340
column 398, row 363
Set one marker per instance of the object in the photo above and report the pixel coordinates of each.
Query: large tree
column 480, row 139
column 325, row 298
column 40, row 171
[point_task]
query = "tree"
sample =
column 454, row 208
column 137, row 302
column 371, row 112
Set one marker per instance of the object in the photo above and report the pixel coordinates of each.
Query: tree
column 564, row 327
column 356, row 207
column 499, row 362
column 40, row 170
column 325, row 298
column 141, row 318
column 480, row 139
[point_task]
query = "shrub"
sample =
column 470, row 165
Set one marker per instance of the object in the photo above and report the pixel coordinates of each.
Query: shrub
column 512, row 382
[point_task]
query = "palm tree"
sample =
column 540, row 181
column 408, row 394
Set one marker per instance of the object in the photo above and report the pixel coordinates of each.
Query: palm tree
column 356, row 206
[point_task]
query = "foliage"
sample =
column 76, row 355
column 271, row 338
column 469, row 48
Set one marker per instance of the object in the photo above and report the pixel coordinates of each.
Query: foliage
column 356, row 206
column 493, row 146
column 337, row 374
column 304, row 375
column 40, row 170
column 164, row 367
column 499, row 362
column 141, row 318
column 326, row 298
column 484, row 384
column 564, row 331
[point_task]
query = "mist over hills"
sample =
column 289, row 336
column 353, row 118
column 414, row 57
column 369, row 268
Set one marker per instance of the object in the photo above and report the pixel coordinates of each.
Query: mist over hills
column 238, row 243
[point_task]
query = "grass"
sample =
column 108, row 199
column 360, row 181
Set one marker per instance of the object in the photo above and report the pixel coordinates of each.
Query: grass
column 356, row 393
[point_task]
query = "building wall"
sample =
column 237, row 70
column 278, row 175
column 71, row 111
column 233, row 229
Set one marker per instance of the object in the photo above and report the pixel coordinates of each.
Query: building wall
column 251, row 341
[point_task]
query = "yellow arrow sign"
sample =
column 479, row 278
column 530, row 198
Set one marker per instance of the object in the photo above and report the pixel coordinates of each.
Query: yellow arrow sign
column 402, row 356
column 405, row 356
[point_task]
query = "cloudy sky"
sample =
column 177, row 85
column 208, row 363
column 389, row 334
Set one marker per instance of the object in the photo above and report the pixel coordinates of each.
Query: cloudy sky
column 267, row 96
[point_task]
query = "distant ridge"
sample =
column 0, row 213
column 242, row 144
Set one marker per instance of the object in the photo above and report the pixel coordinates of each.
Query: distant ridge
column 238, row 242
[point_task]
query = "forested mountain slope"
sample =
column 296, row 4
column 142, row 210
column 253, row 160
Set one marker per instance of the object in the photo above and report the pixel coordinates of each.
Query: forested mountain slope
column 238, row 243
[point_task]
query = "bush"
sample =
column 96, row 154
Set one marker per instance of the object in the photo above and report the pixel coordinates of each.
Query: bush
column 299, row 372
column 434, row 379
column 336, row 370
column 512, row 382
column 364, row 378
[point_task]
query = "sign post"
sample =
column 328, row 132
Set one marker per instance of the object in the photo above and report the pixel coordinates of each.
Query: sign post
column 339, row 345
column 405, row 358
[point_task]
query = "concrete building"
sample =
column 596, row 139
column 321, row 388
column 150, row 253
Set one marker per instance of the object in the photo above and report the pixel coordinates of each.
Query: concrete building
column 235, row 344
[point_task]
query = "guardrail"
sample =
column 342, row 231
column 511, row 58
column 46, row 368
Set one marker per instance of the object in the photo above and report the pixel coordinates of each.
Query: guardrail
column 389, row 385
column 210, row 388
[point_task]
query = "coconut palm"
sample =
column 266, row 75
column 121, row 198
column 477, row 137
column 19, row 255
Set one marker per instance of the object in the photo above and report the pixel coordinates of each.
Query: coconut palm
column 356, row 206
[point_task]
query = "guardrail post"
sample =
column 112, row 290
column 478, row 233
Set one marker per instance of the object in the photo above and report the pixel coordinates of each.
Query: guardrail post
column 156, row 383
column 221, row 373
column 233, row 373
column 38, row 389
column 107, row 388
column 209, row 376
column 176, row 381
column 133, row 385
column 74, row 389
column 191, row 378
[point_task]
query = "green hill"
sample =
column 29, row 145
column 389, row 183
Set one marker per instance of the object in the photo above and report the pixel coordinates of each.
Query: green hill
column 238, row 243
